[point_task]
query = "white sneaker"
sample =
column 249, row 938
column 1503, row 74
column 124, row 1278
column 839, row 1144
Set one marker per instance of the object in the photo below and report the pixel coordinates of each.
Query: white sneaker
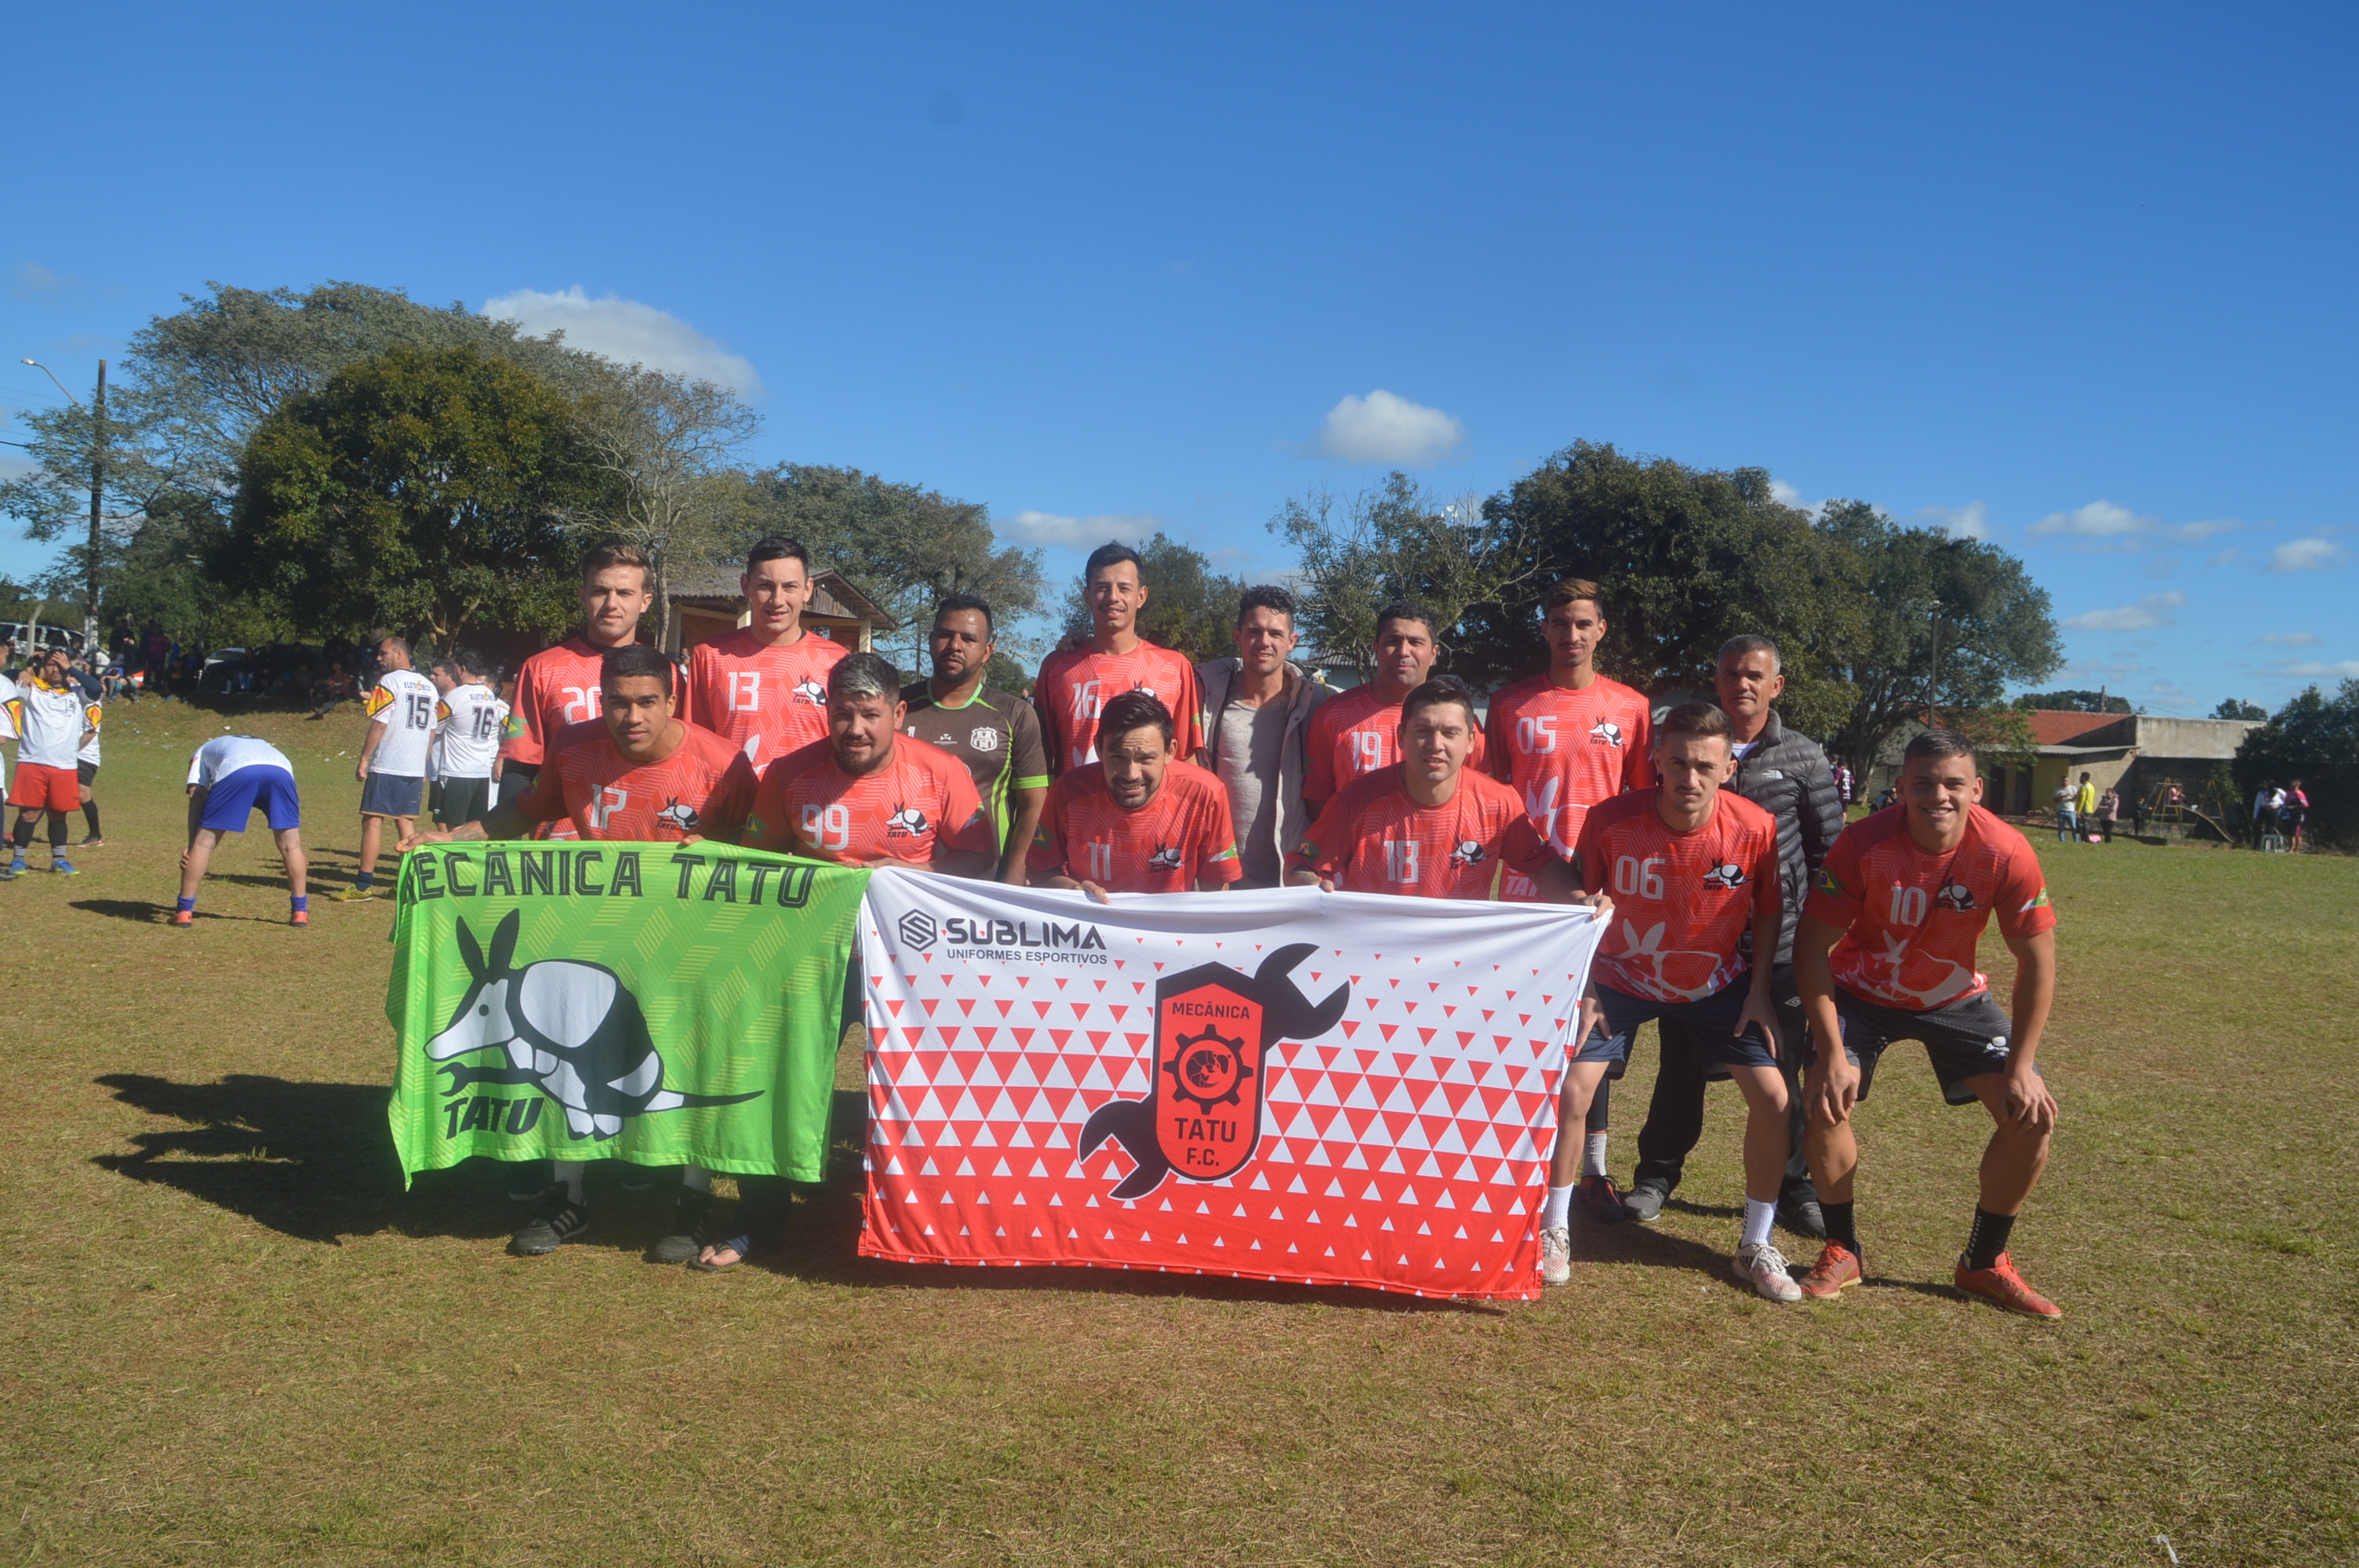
column 1556, row 1254
column 1764, row 1267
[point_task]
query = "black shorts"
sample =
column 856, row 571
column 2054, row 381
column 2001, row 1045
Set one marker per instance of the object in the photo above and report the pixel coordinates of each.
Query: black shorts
column 1966, row 1039
column 85, row 772
column 1709, row 1024
column 458, row 801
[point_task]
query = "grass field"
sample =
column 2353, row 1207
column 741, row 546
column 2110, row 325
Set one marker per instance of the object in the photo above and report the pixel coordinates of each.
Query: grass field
column 230, row 1337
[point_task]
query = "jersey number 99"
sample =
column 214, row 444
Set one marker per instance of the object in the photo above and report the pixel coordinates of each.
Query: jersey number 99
column 827, row 827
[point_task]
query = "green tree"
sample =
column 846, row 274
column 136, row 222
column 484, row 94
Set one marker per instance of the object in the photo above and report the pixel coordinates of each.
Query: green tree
column 904, row 545
column 1685, row 559
column 2070, row 702
column 422, row 489
column 2237, row 708
column 1189, row 607
column 2315, row 739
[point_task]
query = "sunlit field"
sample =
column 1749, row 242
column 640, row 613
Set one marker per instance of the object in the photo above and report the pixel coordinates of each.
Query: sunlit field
column 232, row 1338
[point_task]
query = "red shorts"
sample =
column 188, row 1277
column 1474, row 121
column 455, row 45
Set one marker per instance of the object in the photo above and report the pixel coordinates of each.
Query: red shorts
column 58, row 789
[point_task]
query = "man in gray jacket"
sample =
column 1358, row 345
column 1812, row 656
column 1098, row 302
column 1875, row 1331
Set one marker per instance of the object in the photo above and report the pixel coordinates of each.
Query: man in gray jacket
column 1786, row 774
column 1256, row 709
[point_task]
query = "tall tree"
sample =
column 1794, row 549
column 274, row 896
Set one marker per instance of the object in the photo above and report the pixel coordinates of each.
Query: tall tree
column 2074, row 701
column 422, row 489
column 1398, row 540
column 2237, row 708
column 1189, row 607
column 904, row 545
column 1943, row 627
column 2315, row 739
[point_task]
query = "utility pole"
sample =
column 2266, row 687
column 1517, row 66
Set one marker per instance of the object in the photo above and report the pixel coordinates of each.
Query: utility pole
column 97, row 492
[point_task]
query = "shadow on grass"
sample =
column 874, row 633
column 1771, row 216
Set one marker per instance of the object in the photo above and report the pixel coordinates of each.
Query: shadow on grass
column 144, row 911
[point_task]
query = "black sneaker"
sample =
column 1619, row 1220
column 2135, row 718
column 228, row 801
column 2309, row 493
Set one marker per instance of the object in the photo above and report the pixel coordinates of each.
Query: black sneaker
column 1601, row 1200
column 1802, row 1216
column 560, row 1220
column 690, row 1231
column 1644, row 1203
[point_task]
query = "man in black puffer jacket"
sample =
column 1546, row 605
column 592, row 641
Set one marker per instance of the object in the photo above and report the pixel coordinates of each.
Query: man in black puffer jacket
column 1786, row 774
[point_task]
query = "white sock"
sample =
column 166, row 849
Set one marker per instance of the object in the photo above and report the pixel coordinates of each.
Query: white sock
column 570, row 1173
column 1758, row 1217
column 1592, row 1163
column 696, row 1178
column 1556, row 1213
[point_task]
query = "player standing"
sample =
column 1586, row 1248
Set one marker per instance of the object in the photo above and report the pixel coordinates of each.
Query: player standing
column 230, row 779
column 1694, row 870
column 1136, row 820
column 392, row 767
column 1430, row 826
column 1075, row 684
column 763, row 687
column 995, row 733
column 559, row 686
column 1358, row 731
column 1567, row 739
column 467, row 725
column 639, row 775
column 53, row 720
column 1885, row 952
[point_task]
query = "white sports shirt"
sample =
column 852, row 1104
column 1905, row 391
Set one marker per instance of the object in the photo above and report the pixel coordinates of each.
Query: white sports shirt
column 468, row 724
column 216, row 760
column 403, row 702
column 50, row 723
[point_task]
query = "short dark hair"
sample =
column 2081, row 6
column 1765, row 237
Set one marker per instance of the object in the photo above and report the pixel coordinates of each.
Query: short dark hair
column 1133, row 710
column 1437, row 691
column 772, row 548
column 1407, row 610
column 1571, row 591
column 1753, row 642
column 473, row 660
column 864, row 675
column 442, row 662
column 1704, row 720
column 397, row 640
column 633, row 659
column 952, row 604
column 1265, row 596
column 1113, row 553
column 1936, row 744
column 617, row 553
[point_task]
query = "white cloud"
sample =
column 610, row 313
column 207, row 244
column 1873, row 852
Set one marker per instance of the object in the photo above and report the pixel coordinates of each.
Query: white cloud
column 2163, row 686
column 2291, row 639
column 2151, row 611
column 2119, row 529
column 628, row 332
column 1971, row 521
column 2228, row 557
column 2307, row 555
column 2340, row 669
column 1083, row 533
column 1382, row 428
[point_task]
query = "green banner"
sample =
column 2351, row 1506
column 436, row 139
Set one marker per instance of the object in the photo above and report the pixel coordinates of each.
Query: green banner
column 660, row 1003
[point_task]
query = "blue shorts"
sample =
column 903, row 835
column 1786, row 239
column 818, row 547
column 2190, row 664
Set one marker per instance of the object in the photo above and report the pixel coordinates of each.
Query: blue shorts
column 392, row 794
column 1712, row 1036
column 235, row 796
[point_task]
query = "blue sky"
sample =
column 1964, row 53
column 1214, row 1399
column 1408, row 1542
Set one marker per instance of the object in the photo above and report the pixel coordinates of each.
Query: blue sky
column 2077, row 279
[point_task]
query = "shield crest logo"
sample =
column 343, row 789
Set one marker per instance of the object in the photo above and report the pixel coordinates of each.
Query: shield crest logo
column 1214, row 1026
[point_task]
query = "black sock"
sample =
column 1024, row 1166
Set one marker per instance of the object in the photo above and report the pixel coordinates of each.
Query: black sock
column 1988, row 1237
column 1839, row 1225
column 56, row 832
column 89, row 815
column 24, row 835
column 366, row 879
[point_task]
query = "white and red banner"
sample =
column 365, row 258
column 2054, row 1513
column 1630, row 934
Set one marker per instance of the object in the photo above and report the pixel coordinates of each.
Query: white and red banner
column 1329, row 1088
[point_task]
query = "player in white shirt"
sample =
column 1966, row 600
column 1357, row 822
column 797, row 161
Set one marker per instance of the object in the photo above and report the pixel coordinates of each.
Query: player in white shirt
column 229, row 780
column 7, row 711
column 86, row 777
column 468, row 723
column 53, row 720
column 392, row 769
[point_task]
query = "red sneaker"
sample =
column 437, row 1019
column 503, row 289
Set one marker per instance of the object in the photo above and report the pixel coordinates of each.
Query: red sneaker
column 184, row 917
column 1601, row 1200
column 2004, row 1288
column 300, row 917
column 1837, row 1271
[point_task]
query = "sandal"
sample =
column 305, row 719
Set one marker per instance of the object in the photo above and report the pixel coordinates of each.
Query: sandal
column 743, row 1246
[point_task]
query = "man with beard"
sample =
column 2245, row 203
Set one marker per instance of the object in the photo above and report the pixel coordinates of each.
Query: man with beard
column 995, row 733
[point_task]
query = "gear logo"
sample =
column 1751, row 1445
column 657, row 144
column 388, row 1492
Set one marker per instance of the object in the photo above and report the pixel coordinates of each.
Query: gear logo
column 919, row 931
column 1210, row 1069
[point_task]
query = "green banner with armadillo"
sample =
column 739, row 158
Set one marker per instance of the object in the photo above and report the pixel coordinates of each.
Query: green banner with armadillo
column 661, row 1003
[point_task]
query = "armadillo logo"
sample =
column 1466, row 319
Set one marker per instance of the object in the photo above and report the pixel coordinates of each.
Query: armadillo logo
column 1213, row 1029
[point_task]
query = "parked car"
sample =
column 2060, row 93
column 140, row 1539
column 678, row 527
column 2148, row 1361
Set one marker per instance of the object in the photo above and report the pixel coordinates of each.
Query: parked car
column 48, row 634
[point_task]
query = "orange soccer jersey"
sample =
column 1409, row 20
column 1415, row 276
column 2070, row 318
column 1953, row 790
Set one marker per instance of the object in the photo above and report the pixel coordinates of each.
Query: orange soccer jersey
column 1074, row 686
column 922, row 797
column 1373, row 838
column 1352, row 736
column 1565, row 750
column 556, row 687
column 1911, row 920
column 1178, row 839
column 1682, row 902
column 703, row 788
column 765, row 700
